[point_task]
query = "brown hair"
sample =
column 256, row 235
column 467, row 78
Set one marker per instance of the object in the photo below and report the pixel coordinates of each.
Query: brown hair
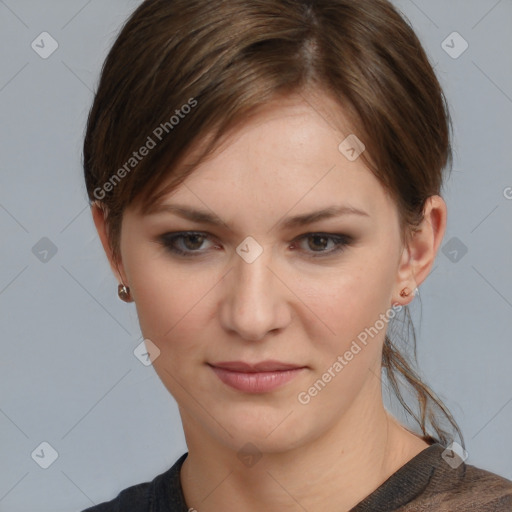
column 182, row 73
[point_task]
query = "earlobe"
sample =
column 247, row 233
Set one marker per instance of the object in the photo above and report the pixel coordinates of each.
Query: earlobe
column 406, row 286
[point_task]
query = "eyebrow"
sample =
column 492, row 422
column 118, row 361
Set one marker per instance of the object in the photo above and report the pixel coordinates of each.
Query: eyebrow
column 205, row 217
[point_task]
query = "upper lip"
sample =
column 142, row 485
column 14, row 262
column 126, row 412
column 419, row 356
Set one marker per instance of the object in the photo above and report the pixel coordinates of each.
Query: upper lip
column 263, row 366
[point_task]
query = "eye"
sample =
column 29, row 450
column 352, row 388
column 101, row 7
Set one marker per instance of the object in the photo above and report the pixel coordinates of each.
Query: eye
column 318, row 242
column 186, row 243
column 189, row 243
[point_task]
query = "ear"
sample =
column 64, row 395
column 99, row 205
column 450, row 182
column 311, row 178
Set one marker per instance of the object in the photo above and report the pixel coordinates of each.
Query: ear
column 99, row 214
column 419, row 254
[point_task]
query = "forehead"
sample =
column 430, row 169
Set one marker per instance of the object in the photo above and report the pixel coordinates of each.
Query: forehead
column 285, row 156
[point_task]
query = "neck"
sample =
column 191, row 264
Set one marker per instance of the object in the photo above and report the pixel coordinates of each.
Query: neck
column 334, row 471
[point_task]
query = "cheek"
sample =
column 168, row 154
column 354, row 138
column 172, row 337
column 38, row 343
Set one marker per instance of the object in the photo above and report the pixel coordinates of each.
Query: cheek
column 172, row 302
column 172, row 314
column 345, row 304
column 346, row 339
column 343, row 295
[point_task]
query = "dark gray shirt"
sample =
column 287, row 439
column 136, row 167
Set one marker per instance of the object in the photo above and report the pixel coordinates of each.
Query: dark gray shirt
column 426, row 483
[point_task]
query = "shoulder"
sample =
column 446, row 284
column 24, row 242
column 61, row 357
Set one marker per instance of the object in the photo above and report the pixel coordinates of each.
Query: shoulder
column 143, row 497
column 136, row 498
column 436, row 482
column 471, row 488
column 488, row 491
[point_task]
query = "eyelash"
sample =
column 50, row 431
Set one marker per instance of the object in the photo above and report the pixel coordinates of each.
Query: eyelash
column 168, row 240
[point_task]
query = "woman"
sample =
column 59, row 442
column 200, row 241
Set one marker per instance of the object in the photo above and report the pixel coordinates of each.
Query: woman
column 265, row 179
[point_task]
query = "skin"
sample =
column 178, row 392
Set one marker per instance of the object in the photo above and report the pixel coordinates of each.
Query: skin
column 286, row 305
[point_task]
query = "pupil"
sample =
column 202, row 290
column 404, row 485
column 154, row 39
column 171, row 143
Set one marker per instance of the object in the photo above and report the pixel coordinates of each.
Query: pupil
column 192, row 237
column 323, row 238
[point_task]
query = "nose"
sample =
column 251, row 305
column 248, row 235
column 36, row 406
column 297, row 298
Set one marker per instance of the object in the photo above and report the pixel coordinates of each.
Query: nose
column 255, row 299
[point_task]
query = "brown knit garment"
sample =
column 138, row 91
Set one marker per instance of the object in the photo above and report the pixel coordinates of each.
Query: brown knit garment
column 427, row 483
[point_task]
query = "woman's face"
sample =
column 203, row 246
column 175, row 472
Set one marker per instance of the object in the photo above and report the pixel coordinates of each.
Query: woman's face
column 263, row 286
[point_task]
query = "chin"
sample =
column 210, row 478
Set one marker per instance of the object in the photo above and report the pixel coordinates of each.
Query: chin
column 276, row 432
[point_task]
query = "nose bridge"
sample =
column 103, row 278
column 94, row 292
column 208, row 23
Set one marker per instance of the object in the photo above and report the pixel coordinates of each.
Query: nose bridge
column 252, row 279
column 253, row 302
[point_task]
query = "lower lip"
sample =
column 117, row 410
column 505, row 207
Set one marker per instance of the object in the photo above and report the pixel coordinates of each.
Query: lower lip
column 259, row 382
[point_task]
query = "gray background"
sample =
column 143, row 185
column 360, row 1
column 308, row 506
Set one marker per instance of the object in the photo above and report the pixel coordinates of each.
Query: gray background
column 68, row 375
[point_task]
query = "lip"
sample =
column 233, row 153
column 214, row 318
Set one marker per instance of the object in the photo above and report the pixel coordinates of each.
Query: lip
column 260, row 377
column 263, row 366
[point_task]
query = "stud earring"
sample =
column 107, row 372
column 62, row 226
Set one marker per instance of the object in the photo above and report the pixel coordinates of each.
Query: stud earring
column 124, row 293
column 405, row 292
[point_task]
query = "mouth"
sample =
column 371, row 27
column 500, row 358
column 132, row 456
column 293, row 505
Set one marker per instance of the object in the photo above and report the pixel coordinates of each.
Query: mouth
column 260, row 377
column 263, row 366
